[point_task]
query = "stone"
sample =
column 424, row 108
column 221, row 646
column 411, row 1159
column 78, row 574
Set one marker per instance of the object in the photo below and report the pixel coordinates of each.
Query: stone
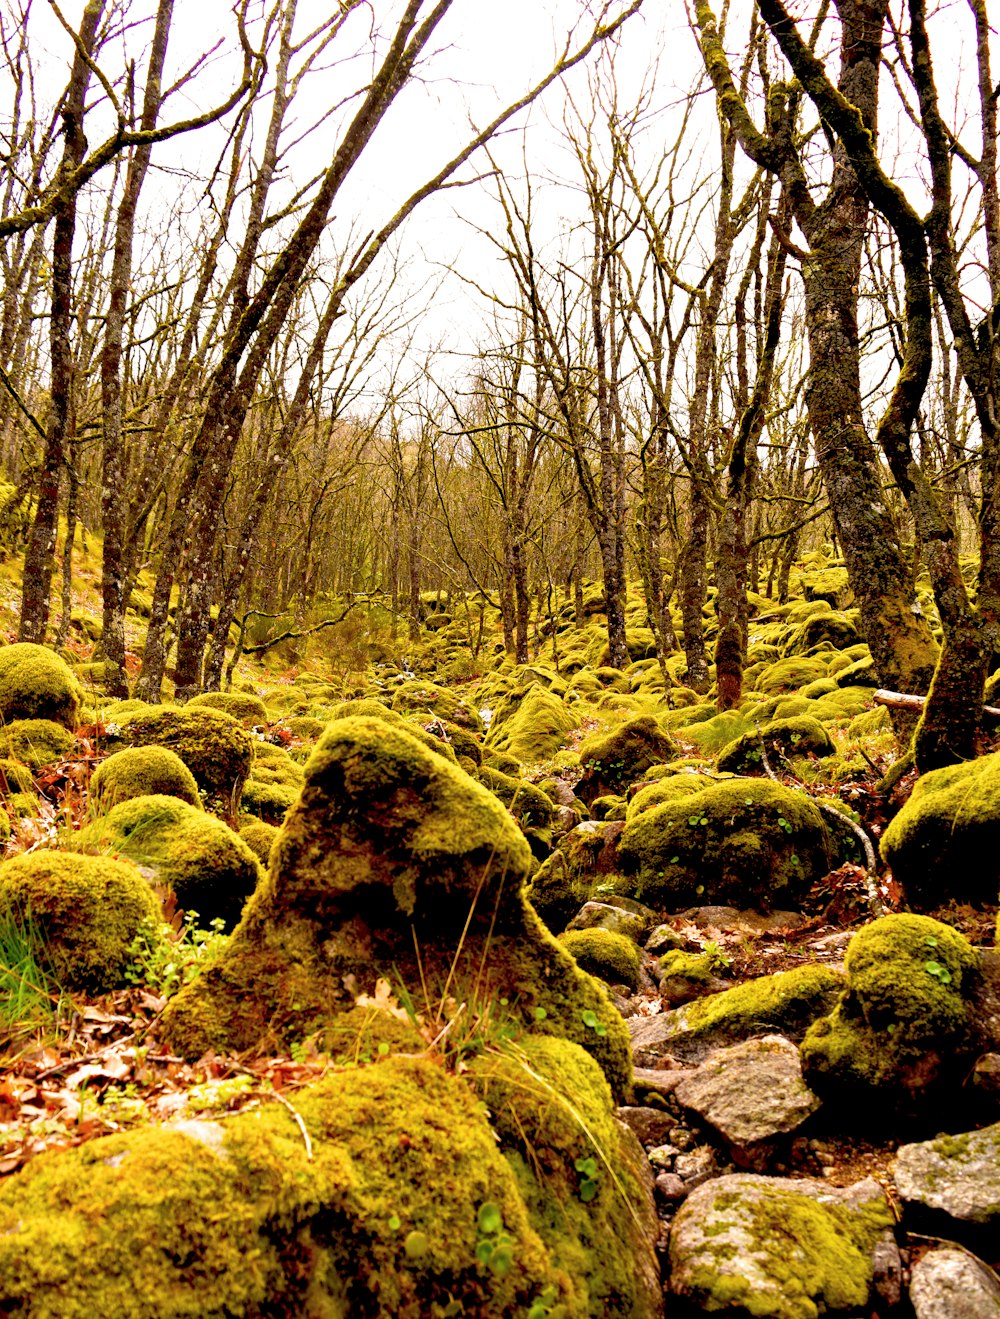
column 957, row 1176
column 952, row 1284
column 750, row 1093
column 670, row 1186
column 657, row 1080
column 786, row 1249
column 697, row 1166
column 649, row 1124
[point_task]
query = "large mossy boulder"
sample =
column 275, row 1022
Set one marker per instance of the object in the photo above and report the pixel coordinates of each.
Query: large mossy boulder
column 530, row 725
column 84, row 911
column 36, row 742
column 613, row 760
column 208, row 868
column 35, row 683
column 248, row 708
column 801, row 735
column 217, row 750
column 274, row 784
column 944, row 842
column 429, row 701
column 743, row 842
column 393, row 863
column 403, row 1202
column 142, row 772
column 902, row 1028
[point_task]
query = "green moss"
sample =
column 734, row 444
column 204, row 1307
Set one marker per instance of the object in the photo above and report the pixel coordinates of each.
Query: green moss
column 36, row 684
column 428, row 700
column 393, row 863
column 711, row 735
column 461, row 741
column 603, row 953
column 306, row 727
column 787, row 675
column 696, row 968
column 213, row 745
column 804, row 1256
column 237, row 1219
column 942, row 843
column 274, row 784
column 786, row 1001
column 836, row 629
column 249, row 710
column 36, row 742
column 746, row 841
column 142, row 772
column 783, row 738
column 207, row 866
column 672, row 788
column 610, row 807
column 859, row 674
column 529, row 806
column 613, row 760
column 87, row 909
column 15, row 779
column 902, row 1024
column 829, row 584
column 259, row 837
column 530, row 725
column 371, row 709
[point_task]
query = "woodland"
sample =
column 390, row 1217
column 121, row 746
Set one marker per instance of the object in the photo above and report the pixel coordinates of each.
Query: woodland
column 499, row 659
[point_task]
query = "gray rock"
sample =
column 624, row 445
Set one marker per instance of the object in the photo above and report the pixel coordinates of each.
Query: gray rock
column 649, row 1124
column 663, row 940
column 658, row 1080
column 697, row 1166
column 748, row 1244
column 605, row 916
column 954, row 1175
column 670, row 1186
column 750, row 1093
column 718, row 920
column 952, row 1284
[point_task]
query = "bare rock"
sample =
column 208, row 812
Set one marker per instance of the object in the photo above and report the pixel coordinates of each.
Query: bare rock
column 956, row 1176
column 649, row 1124
column 952, row 1284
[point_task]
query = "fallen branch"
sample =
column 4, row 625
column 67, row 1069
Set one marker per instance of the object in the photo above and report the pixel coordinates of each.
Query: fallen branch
column 903, row 701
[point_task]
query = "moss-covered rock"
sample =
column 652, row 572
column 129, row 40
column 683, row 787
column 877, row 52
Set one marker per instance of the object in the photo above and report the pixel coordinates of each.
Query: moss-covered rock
column 86, row 909
column 836, row 629
column 248, row 709
column 142, row 772
column 788, row 675
column 783, row 738
column 403, row 1205
column 274, row 784
column 429, row 700
column 778, row 1249
column 393, row 862
column 259, row 837
column 36, row 742
column 749, row 842
column 529, row 806
column 613, row 760
column 36, row 684
column 530, row 725
column 369, row 708
column 902, row 1025
column 603, row 953
column 943, row 843
column 217, row 750
column 207, row 866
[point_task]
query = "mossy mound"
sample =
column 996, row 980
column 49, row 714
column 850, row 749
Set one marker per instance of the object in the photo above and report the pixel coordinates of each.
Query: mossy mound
column 207, row 866
column 36, row 684
column 248, row 709
column 836, row 629
column 274, row 784
column 745, row 842
column 259, row 837
column 943, row 843
column 902, row 1025
column 531, row 725
column 671, row 787
column 711, row 735
column 142, row 772
column 369, row 708
column 829, row 584
column 585, row 862
column 459, row 739
column 788, row 675
column 87, row 911
column 306, row 727
column 613, row 760
column 429, row 700
column 404, row 1206
column 609, row 956
column 782, row 738
column 394, row 862
column 529, row 806
column 36, row 742
column 217, row 750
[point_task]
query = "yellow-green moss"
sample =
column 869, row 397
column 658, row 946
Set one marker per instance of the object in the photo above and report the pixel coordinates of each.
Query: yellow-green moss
column 613, row 760
column 207, row 866
column 801, row 735
column 369, row 708
column 36, row 684
column 259, row 837
column 213, row 745
column 142, row 772
column 746, row 841
column 787, row 675
column 529, row 806
column 36, row 742
column 902, row 1023
column 394, row 862
column 787, row 1001
column 429, row 700
column 87, row 910
column 248, row 709
column 603, row 953
column 15, row 778
column 942, row 844
column 530, row 725
column 236, row 1219
column 274, row 784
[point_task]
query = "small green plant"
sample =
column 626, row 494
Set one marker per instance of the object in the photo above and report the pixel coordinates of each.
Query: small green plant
column 718, row 958
column 939, row 971
column 591, row 1020
column 542, row 1307
column 494, row 1246
column 587, row 1169
column 164, row 960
